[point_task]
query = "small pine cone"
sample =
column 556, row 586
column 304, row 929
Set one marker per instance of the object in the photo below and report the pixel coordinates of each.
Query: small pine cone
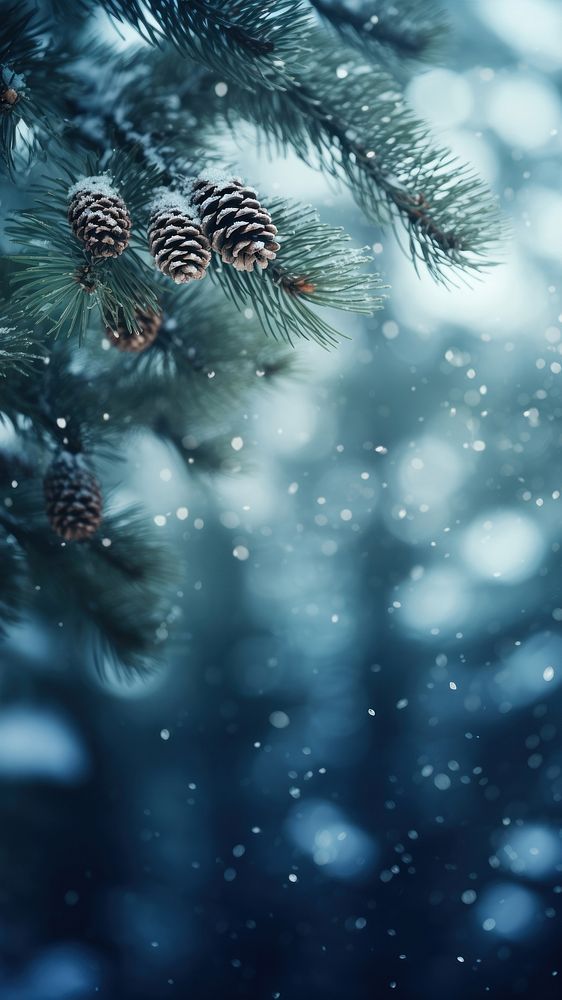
column 99, row 217
column 72, row 498
column 239, row 228
column 8, row 97
column 176, row 241
column 135, row 341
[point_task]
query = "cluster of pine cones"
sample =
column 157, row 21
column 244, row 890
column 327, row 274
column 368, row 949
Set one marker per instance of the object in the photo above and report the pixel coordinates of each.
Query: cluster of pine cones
column 223, row 216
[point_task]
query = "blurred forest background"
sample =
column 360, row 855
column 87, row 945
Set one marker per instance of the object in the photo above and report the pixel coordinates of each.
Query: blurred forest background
column 348, row 779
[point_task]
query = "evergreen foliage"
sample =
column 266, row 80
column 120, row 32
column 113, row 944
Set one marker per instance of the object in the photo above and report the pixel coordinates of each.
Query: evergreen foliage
column 408, row 31
column 72, row 111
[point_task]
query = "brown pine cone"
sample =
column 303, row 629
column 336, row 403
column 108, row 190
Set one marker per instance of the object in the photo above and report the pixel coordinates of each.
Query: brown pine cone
column 176, row 241
column 239, row 228
column 8, row 97
column 99, row 217
column 135, row 341
column 73, row 498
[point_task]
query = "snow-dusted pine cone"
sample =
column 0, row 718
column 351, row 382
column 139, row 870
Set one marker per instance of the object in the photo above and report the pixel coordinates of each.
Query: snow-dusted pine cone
column 239, row 228
column 176, row 240
column 134, row 341
column 99, row 217
column 73, row 498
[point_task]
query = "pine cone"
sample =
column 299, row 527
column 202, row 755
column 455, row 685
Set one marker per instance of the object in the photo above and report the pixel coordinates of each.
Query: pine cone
column 135, row 341
column 72, row 497
column 239, row 228
column 179, row 248
column 99, row 218
column 8, row 97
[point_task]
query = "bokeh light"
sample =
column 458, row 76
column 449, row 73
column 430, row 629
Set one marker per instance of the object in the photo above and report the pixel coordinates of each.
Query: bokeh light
column 507, row 910
column 334, row 844
column 503, row 545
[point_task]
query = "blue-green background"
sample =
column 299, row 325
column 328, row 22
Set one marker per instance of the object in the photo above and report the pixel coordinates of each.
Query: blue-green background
column 347, row 782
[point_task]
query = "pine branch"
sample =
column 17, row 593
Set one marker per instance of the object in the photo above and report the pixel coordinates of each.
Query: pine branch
column 205, row 359
column 59, row 283
column 62, row 403
column 118, row 586
column 412, row 30
column 32, row 84
column 351, row 121
column 248, row 41
column 20, row 49
column 133, row 607
column 314, row 267
column 22, row 363
column 18, row 352
column 60, row 286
